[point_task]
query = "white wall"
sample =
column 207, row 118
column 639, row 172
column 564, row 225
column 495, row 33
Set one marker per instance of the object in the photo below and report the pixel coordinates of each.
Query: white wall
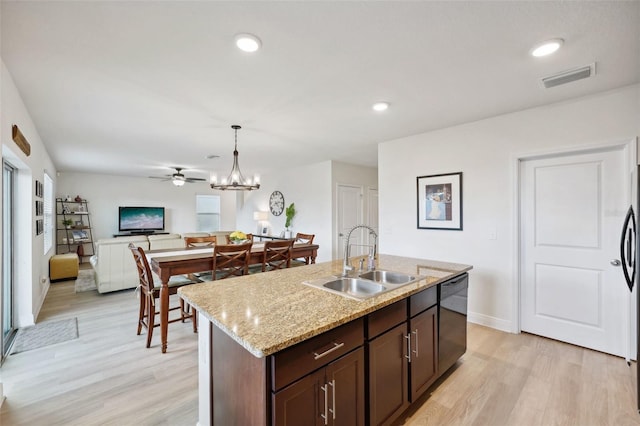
column 486, row 152
column 32, row 265
column 105, row 193
column 312, row 189
column 309, row 188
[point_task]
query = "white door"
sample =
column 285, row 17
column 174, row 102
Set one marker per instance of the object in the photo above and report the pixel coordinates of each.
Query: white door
column 572, row 209
column 349, row 214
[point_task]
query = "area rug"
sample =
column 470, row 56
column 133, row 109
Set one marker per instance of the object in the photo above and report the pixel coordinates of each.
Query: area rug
column 45, row 334
column 85, row 281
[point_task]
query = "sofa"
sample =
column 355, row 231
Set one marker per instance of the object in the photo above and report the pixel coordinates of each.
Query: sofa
column 113, row 264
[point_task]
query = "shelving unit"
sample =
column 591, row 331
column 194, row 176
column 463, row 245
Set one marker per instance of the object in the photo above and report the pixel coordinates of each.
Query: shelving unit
column 73, row 228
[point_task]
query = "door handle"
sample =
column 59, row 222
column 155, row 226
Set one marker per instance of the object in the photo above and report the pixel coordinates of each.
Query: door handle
column 615, row 262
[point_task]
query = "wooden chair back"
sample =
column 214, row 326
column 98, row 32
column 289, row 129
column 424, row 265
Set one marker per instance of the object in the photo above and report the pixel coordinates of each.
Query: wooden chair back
column 145, row 276
column 305, row 238
column 200, row 241
column 228, row 238
column 149, row 293
column 231, row 260
column 277, row 255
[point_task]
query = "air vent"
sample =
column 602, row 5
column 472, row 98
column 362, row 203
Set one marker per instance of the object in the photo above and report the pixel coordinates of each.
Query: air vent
column 569, row 76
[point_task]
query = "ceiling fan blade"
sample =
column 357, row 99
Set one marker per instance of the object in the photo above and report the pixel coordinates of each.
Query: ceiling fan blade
column 195, row 179
column 160, row 177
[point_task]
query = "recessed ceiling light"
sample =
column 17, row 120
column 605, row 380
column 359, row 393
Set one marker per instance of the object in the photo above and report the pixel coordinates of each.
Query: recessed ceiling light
column 547, row 47
column 248, row 42
column 380, row 106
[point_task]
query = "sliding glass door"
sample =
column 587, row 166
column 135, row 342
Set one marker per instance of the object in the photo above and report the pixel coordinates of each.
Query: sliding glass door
column 8, row 329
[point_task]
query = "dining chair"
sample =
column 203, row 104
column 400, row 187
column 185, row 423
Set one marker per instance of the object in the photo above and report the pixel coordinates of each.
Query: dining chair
column 209, row 241
column 304, row 239
column 231, row 260
column 276, row 255
column 150, row 292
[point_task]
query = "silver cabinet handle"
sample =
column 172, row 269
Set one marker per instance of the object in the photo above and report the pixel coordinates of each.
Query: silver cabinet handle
column 326, row 403
column 408, row 355
column 333, row 397
column 335, row 347
column 615, row 262
column 416, row 333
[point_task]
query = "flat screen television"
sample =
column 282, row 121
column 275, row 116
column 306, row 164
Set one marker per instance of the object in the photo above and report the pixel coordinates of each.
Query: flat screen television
column 140, row 219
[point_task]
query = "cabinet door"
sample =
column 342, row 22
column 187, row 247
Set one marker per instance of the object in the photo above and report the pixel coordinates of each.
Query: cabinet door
column 345, row 382
column 388, row 376
column 423, row 329
column 300, row 403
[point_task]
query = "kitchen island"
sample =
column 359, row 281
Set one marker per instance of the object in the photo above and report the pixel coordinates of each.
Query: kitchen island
column 272, row 348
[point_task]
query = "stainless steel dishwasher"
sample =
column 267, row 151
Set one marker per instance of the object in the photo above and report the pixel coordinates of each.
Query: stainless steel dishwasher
column 452, row 318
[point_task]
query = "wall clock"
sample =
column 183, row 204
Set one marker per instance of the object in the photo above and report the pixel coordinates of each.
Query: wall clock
column 276, row 203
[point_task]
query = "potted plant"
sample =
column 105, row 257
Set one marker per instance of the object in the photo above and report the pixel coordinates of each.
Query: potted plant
column 67, row 223
column 290, row 212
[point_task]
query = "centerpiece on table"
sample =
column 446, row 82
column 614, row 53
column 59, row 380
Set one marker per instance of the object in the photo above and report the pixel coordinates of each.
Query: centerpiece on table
column 238, row 237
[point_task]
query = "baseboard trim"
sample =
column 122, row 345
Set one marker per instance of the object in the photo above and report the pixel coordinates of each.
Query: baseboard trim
column 488, row 321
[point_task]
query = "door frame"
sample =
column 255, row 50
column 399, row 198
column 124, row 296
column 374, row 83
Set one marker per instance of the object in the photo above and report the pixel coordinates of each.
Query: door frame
column 630, row 150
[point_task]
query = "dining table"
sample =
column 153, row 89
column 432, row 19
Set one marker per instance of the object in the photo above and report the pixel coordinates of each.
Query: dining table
column 166, row 263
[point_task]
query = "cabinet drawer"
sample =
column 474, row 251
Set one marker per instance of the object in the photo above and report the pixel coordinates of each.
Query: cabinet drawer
column 305, row 357
column 386, row 318
column 423, row 300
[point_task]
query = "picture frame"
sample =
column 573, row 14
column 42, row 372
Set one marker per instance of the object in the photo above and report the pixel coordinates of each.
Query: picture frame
column 39, row 227
column 38, row 189
column 79, row 235
column 39, row 208
column 439, row 201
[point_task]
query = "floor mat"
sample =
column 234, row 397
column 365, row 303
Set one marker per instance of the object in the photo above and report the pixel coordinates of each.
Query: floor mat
column 45, row 334
column 85, row 281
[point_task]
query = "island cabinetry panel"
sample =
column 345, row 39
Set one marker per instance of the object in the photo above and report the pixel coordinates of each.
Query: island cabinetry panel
column 402, row 362
column 332, row 395
column 423, row 345
column 291, row 364
column 388, row 375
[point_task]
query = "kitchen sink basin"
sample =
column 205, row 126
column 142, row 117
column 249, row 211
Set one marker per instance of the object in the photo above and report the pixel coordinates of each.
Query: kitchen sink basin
column 389, row 277
column 355, row 287
column 368, row 284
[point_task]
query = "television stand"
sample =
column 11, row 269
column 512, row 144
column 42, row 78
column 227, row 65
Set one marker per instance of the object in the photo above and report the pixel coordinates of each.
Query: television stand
column 136, row 233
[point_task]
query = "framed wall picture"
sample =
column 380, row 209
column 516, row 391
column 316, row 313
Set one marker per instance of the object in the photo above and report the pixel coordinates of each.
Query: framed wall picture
column 439, row 199
column 39, row 189
column 39, row 227
column 39, row 208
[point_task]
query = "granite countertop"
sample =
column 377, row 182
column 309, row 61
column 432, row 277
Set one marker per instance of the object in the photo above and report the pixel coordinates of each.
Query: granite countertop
column 268, row 312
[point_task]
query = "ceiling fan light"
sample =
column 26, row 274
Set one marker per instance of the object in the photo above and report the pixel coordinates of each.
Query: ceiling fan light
column 178, row 180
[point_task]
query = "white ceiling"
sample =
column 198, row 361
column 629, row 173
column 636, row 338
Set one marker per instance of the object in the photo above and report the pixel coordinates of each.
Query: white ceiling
column 132, row 88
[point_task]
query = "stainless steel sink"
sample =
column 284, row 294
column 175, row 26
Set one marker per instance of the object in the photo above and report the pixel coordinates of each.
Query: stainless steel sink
column 389, row 277
column 355, row 287
column 365, row 286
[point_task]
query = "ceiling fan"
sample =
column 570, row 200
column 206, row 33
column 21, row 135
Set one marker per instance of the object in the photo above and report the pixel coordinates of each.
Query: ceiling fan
column 178, row 179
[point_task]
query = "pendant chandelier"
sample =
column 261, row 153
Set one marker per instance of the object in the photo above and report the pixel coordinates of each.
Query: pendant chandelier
column 235, row 181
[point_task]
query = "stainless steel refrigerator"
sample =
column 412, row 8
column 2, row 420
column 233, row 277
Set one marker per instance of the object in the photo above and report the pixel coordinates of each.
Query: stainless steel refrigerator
column 629, row 259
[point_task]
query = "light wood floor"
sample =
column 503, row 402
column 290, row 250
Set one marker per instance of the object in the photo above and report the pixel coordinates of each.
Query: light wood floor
column 108, row 377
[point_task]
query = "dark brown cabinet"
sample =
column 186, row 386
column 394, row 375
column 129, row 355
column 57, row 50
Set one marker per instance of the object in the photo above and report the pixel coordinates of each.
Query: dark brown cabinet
column 403, row 361
column 388, row 376
column 333, row 395
column 424, row 351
